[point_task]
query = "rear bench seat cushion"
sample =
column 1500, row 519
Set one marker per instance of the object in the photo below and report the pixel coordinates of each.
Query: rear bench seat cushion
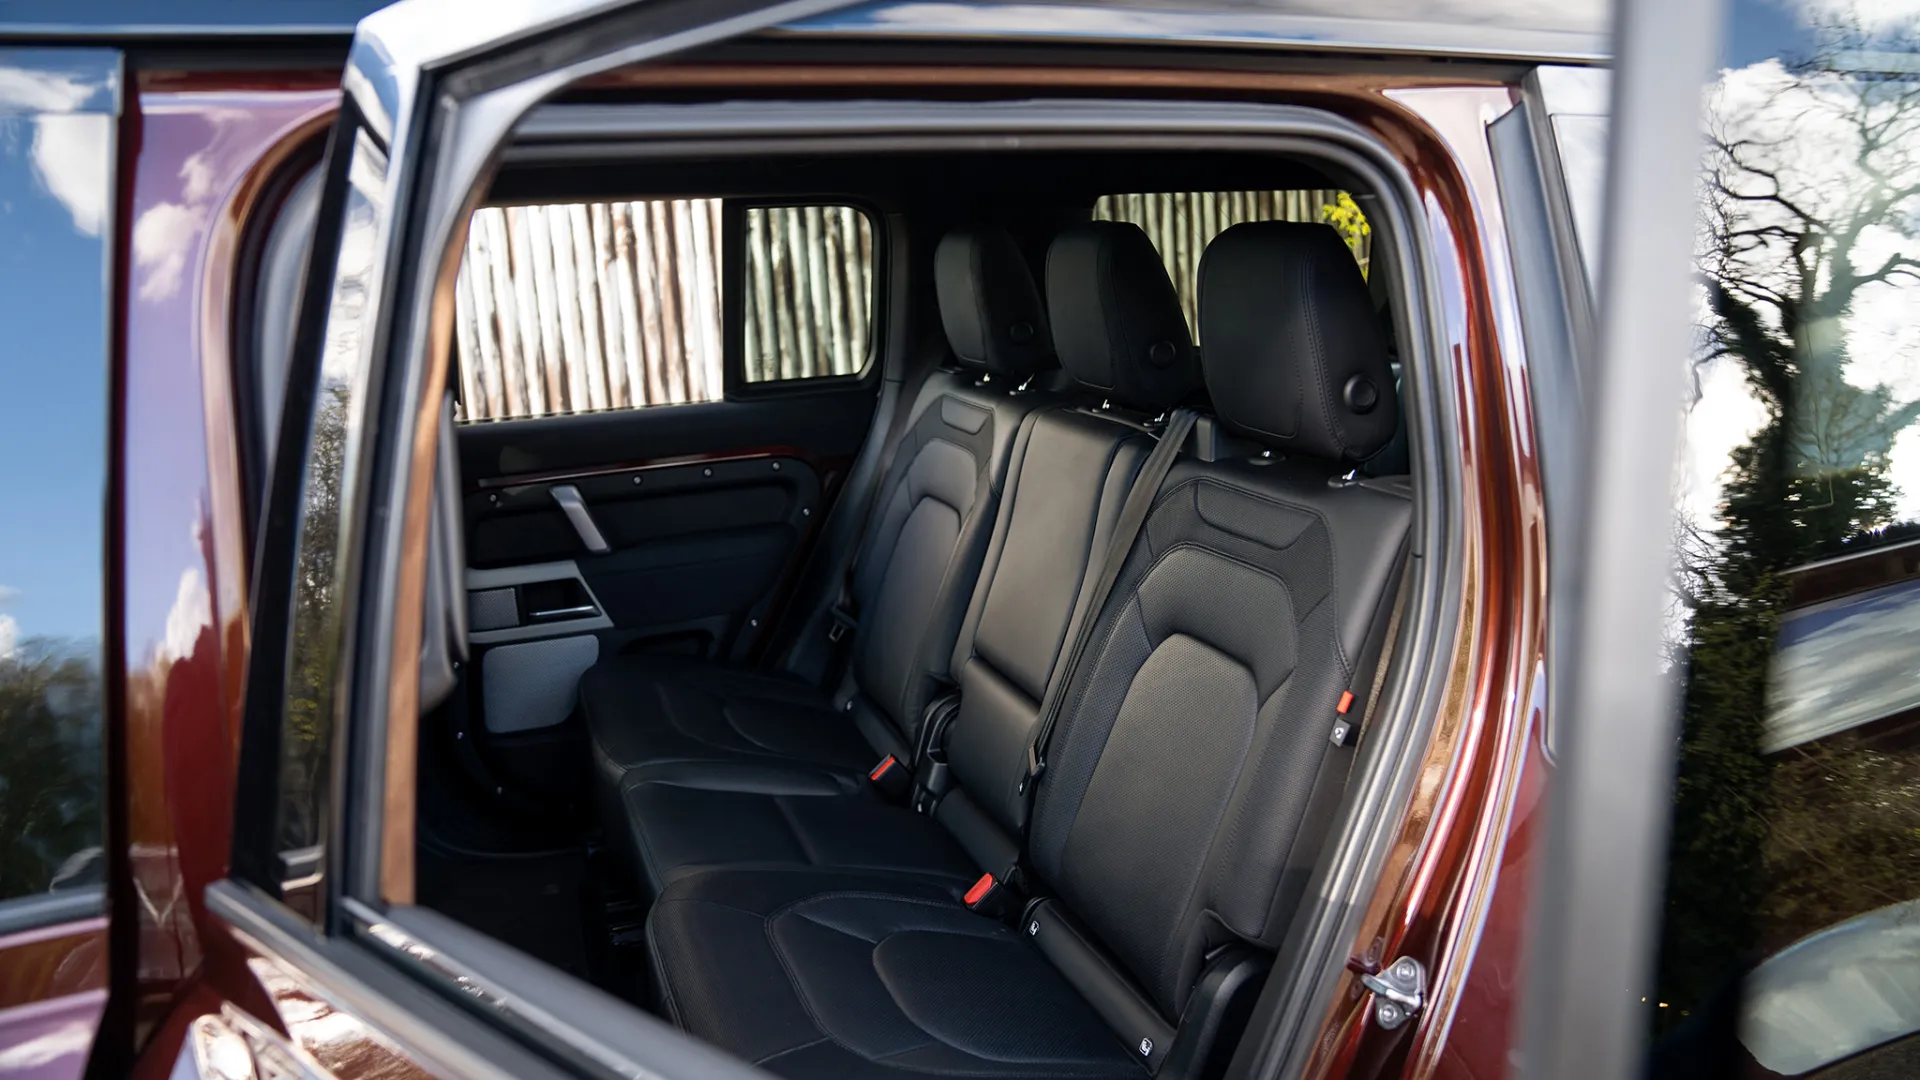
column 836, row 976
column 685, row 819
column 663, row 710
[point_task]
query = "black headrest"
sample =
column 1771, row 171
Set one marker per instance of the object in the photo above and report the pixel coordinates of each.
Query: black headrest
column 1293, row 353
column 989, row 304
column 1116, row 320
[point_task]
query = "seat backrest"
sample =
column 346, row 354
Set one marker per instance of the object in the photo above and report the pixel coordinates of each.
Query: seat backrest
column 1116, row 319
column 1169, row 818
column 928, row 531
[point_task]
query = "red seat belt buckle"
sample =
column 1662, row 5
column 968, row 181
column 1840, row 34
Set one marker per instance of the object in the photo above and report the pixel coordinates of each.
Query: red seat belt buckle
column 981, row 890
column 891, row 778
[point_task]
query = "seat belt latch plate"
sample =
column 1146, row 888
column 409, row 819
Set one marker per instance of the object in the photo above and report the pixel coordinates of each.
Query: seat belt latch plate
column 891, row 778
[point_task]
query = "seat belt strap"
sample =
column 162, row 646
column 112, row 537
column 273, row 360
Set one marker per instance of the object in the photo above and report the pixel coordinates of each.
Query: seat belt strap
column 1133, row 516
column 844, row 616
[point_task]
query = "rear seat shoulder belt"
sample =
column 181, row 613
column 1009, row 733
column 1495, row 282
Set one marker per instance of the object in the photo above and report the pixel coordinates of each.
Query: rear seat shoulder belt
column 1133, row 515
column 843, row 619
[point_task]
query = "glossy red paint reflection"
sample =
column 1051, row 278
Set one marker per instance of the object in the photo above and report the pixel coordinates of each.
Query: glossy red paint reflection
column 199, row 166
column 53, row 985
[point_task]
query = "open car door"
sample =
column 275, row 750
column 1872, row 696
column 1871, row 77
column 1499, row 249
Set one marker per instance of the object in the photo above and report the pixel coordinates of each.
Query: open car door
column 324, row 971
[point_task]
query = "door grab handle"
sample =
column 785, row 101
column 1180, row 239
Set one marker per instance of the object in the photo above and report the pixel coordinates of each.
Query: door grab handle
column 575, row 508
column 571, row 612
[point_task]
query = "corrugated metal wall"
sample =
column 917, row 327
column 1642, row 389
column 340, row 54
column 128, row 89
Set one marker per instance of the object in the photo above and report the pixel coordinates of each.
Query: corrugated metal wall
column 1182, row 223
column 584, row 306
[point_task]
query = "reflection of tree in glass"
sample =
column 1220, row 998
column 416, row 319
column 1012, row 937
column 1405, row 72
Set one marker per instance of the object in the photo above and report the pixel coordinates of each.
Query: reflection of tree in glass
column 50, row 773
column 1813, row 190
column 303, row 753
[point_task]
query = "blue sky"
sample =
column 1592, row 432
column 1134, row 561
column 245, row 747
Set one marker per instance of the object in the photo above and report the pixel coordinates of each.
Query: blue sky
column 53, row 377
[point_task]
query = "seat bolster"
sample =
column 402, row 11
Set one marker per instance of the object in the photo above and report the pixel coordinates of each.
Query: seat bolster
column 834, row 975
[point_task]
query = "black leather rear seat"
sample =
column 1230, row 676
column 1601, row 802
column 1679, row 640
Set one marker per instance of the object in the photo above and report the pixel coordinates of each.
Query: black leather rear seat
column 1070, row 472
column 912, row 582
column 1168, row 839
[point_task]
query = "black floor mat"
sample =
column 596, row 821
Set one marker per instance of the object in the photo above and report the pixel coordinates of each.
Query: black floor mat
column 536, row 902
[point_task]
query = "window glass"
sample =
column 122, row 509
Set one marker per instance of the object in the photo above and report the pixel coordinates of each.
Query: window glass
column 314, row 642
column 1576, row 100
column 1181, row 224
column 56, row 183
column 579, row 307
column 1796, row 624
column 809, row 292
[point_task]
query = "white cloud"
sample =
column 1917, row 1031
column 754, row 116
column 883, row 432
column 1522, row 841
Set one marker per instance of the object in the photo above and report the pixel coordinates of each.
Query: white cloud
column 9, row 637
column 41, row 91
column 197, row 171
column 8, row 594
column 1726, row 416
column 71, row 160
column 162, row 238
column 191, row 613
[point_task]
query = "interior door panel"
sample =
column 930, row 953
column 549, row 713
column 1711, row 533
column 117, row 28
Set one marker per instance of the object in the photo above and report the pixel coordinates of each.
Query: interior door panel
column 705, row 514
column 694, row 549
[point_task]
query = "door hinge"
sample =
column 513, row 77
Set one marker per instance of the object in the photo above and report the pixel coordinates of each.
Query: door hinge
column 1399, row 992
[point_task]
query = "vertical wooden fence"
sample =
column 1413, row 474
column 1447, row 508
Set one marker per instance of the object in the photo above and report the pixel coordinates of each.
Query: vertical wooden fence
column 584, row 306
column 809, row 283
column 1182, row 223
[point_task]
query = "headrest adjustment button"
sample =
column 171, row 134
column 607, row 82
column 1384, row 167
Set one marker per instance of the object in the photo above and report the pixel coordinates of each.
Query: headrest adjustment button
column 1020, row 333
column 1162, row 354
column 1360, row 395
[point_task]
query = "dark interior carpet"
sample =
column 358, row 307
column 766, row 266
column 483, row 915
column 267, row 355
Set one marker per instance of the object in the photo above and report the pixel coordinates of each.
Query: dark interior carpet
column 536, row 902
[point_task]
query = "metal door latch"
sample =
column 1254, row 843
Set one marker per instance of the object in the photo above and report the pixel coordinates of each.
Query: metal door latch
column 1399, row 991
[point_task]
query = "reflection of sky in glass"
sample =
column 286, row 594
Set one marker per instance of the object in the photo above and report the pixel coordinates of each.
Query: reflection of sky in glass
column 1882, row 336
column 1837, row 993
column 1845, row 663
column 55, row 188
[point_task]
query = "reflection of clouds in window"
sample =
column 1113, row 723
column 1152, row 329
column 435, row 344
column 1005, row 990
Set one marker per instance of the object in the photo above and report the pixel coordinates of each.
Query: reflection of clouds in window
column 349, row 303
column 1805, row 127
column 1844, row 663
column 1835, row 994
column 70, row 159
column 69, row 150
column 26, row 90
